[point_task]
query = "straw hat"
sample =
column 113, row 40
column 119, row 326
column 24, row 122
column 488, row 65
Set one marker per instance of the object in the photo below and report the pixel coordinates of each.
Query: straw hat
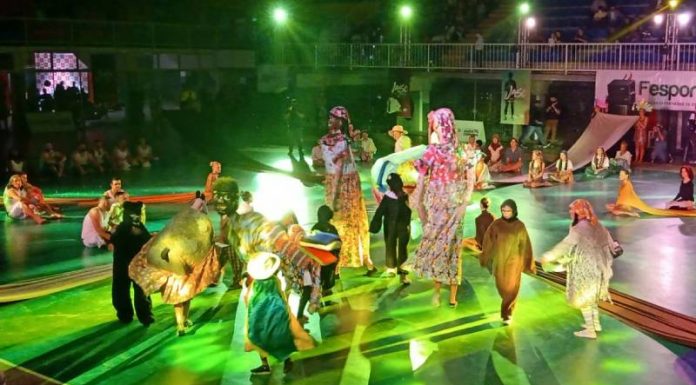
column 263, row 265
column 397, row 128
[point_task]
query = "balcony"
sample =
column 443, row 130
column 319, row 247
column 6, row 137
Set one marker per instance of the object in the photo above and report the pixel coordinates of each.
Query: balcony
column 563, row 58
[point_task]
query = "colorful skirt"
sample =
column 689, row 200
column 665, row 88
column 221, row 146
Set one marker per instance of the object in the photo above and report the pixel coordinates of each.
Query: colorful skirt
column 350, row 219
column 175, row 288
column 437, row 256
column 271, row 328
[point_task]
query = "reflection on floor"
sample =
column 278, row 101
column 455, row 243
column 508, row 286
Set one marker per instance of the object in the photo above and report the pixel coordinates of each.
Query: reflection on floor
column 376, row 331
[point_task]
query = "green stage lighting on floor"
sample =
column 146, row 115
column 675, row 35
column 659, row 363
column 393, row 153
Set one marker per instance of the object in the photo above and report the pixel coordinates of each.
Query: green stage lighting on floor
column 280, row 15
column 406, row 12
column 524, row 8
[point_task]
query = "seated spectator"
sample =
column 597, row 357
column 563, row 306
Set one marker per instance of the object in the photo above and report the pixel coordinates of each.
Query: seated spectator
column 121, row 156
column 143, row 154
column 36, row 198
column 52, row 162
column 623, row 157
column 512, row 158
column 98, row 155
column 580, row 36
column 16, row 202
column 15, row 162
column 82, row 160
column 95, row 224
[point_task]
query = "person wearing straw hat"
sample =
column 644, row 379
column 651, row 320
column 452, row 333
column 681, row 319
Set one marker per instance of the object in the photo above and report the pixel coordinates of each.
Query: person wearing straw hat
column 403, row 142
column 271, row 328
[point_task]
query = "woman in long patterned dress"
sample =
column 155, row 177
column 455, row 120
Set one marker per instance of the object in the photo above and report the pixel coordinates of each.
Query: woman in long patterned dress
column 444, row 188
column 343, row 193
column 586, row 255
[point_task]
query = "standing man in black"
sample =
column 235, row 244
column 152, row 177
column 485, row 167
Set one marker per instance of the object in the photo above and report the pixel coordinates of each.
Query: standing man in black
column 510, row 91
column 553, row 115
column 293, row 120
column 128, row 238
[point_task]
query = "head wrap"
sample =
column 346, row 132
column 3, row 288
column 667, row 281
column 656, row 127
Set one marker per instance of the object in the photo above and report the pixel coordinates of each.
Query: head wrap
column 443, row 123
column 336, row 136
column 582, row 209
column 511, row 204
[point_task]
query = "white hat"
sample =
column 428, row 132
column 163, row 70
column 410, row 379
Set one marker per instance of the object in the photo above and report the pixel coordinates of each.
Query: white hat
column 263, row 265
column 398, row 128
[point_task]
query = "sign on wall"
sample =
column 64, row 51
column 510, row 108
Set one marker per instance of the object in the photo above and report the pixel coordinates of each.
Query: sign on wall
column 514, row 100
column 665, row 90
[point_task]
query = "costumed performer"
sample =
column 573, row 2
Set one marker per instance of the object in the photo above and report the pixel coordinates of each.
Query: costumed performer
column 36, row 197
column 507, row 253
column 444, row 188
column 179, row 262
column 16, row 203
column 393, row 211
column 343, row 193
column 586, row 253
column 271, row 328
column 128, row 238
column 600, row 166
column 640, row 136
column 564, row 169
column 252, row 233
column 216, row 169
column 628, row 202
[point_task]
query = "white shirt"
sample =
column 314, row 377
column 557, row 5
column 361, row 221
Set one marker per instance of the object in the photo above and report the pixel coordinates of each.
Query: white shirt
column 330, row 152
column 403, row 143
column 627, row 156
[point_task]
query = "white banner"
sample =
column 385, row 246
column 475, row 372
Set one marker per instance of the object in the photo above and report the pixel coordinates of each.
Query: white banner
column 665, row 90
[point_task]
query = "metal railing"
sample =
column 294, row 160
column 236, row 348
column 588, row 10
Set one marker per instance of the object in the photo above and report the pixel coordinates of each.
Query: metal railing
column 565, row 58
column 85, row 33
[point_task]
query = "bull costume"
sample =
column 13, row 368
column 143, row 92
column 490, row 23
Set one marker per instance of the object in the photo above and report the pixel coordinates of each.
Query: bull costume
column 251, row 233
column 179, row 262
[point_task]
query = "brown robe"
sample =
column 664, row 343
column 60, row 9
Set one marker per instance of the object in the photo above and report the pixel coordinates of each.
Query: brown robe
column 507, row 252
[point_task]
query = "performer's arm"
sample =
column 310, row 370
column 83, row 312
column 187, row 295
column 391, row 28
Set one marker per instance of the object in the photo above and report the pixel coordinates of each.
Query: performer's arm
column 96, row 222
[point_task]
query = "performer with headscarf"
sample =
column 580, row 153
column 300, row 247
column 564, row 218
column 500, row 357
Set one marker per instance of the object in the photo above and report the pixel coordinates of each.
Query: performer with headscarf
column 271, row 328
column 629, row 203
column 343, row 193
column 179, row 262
column 507, row 253
column 587, row 257
column 445, row 184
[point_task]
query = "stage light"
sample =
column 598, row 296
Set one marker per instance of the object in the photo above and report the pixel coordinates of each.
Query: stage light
column 280, row 15
column 406, row 12
column 683, row 18
column 530, row 23
column 524, row 8
column 659, row 18
column 673, row 3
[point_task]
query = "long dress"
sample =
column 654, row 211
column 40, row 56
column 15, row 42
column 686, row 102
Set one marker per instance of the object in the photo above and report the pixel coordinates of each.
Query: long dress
column 271, row 328
column 350, row 216
column 586, row 255
column 507, row 252
column 628, row 198
column 446, row 189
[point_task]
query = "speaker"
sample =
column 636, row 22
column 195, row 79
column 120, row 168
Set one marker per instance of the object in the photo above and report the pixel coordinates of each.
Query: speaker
column 619, row 109
column 621, row 92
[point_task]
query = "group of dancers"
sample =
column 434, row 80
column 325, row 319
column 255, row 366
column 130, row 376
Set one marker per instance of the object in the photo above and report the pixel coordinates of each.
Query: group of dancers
column 271, row 259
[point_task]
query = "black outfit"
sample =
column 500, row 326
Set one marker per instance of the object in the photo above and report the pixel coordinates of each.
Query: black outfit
column 292, row 119
column 397, row 230
column 686, row 192
column 483, row 221
column 128, row 239
column 551, row 113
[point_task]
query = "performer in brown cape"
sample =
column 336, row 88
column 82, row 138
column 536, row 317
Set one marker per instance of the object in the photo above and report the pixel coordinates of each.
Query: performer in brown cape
column 507, row 252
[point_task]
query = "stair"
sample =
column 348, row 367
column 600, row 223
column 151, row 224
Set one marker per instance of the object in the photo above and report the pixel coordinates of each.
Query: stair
column 505, row 9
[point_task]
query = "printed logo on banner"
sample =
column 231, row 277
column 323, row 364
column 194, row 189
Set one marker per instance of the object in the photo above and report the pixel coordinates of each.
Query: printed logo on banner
column 514, row 101
column 668, row 90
